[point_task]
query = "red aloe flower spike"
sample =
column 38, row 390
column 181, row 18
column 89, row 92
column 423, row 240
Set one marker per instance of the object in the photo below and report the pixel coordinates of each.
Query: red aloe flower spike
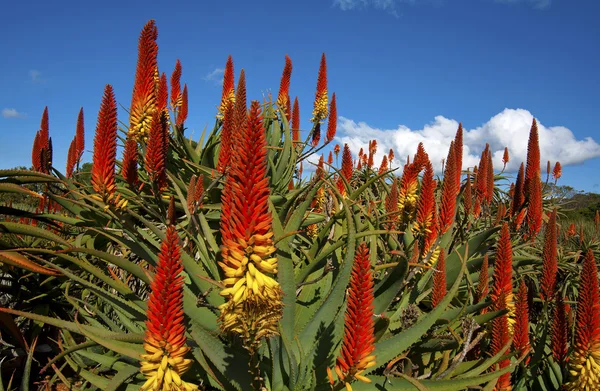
column 240, row 116
column 371, row 161
column 501, row 337
column 359, row 164
column 585, row 360
column 391, row 155
column 321, row 98
column 316, row 136
column 449, row 192
column 226, row 139
column 490, row 178
column 549, row 256
column 80, row 137
column 183, row 110
column 336, row 150
column 165, row 340
column 71, row 157
column 426, row 203
column 482, row 172
column 502, row 279
column 533, row 157
column 228, row 95
column 439, row 278
column 519, row 196
column 391, row 204
column 330, row 158
column 535, row 207
column 557, row 172
column 560, row 331
column 347, row 169
column 190, row 201
column 162, row 96
column 332, row 124
column 176, row 99
column 384, row 164
column 36, row 152
column 130, row 162
column 468, row 195
column 44, row 129
column 105, row 147
column 143, row 99
column 358, row 342
column 199, row 193
column 505, row 157
column 521, row 329
column 296, row 121
column 283, row 97
column 483, row 287
column 458, row 153
column 155, row 158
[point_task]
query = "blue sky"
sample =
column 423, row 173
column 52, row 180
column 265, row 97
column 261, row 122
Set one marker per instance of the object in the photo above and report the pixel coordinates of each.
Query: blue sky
column 404, row 71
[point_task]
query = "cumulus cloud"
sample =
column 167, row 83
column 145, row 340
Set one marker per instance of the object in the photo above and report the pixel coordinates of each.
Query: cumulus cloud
column 11, row 113
column 215, row 76
column 510, row 128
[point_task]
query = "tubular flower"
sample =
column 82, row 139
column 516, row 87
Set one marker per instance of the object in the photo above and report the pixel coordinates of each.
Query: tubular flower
column 391, row 205
column 105, row 147
column 426, row 205
column 519, row 195
column 384, row 164
column 80, row 137
column 253, row 306
column 226, row 133
column 502, row 279
column 164, row 362
column 505, row 156
column 557, row 171
column 347, row 169
column 36, row 152
column 228, row 96
column 468, row 195
column 71, row 157
column 130, row 162
column 482, row 176
column 521, row 335
column 533, row 167
column 183, row 110
column 535, row 208
column 240, row 108
column 391, row 155
column 439, row 280
column 283, row 98
column 585, row 360
column 550, row 265
column 359, row 340
column 560, row 331
column 449, row 192
column 330, row 158
column 321, row 99
column 296, row 121
column 483, row 287
column 458, row 153
column 489, row 193
column 143, row 100
column 501, row 337
column 332, row 123
column 176, row 99
column 162, row 95
column 190, row 201
column 199, row 193
column 156, row 158
column 45, row 128
column 407, row 199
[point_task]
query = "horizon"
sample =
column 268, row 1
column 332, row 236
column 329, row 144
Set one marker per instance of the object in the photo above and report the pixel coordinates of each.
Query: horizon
column 492, row 79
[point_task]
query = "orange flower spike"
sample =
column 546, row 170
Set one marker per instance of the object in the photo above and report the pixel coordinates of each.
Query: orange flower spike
column 320, row 110
column 502, row 278
column 199, row 192
column 80, row 137
column 316, row 136
column 347, row 169
column 559, row 331
column 557, row 171
column 296, row 121
column 384, row 164
column 358, row 343
column 521, row 330
column 519, row 196
column 489, row 193
column 330, row 158
column 190, row 201
column 391, row 204
column 439, row 279
column 458, row 154
column 253, row 305
column 336, row 150
column 71, row 157
column 482, row 181
column 549, row 257
column 36, row 152
column 155, row 158
column 597, row 220
column 332, row 123
column 183, row 110
column 130, row 162
column 226, row 139
column 162, row 95
column 176, row 98
column 45, row 128
column 165, row 341
column 468, row 195
column 535, row 207
column 483, row 287
column 501, row 337
column 533, row 156
column 505, row 156
column 228, row 95
column 449, row 192
column 105, row 147
column 143, row 99
column 240, row 116
column 585, row 359
column 284, row 88
column 391, row 155
column 426, row 203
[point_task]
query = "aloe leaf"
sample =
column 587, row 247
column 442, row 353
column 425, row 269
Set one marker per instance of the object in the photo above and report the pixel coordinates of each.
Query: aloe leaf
column 23, row 229
column 19, row 260
column 123, row 375
column 390, row 285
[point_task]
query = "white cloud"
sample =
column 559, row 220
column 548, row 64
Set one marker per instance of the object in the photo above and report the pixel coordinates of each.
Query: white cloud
column 391, row 5
column 215, row 76
column 35, row 77
column 11, row 113
column 510, row 128
column 539, row 4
